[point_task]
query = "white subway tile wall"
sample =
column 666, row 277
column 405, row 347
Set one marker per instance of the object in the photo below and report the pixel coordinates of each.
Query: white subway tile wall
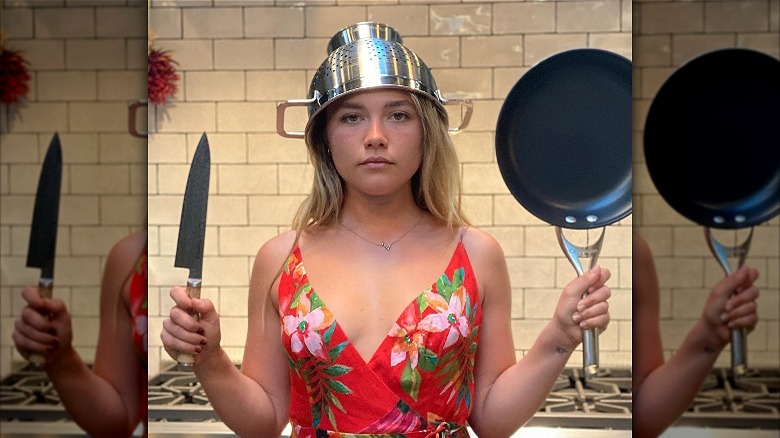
column 86, row 68
column 667, row 35
column 237, row 59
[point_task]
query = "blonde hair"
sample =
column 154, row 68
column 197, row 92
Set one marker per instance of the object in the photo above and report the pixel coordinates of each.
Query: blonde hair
column 436, row 184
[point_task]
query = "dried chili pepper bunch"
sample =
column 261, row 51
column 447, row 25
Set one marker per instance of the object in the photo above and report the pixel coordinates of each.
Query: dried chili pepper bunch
column 13, row 76
column 162, row 76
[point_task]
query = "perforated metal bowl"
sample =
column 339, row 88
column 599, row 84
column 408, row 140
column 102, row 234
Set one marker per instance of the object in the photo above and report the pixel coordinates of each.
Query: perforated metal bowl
column 365, row 29
column 371, row 57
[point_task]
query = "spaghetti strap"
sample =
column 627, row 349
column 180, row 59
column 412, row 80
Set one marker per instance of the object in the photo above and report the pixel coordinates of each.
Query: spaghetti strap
column 462, row 233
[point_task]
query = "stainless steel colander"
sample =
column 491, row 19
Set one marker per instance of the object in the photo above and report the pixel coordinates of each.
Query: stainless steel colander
column 370, row 55
column 366, row 29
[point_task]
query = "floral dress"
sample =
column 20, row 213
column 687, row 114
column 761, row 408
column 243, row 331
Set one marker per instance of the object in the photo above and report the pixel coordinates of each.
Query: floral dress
column 420, row 381
column 138, row 313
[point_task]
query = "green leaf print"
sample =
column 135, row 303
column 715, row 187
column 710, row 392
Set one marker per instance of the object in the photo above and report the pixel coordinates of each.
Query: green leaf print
column 410, row 381
column 334, row 352
column 338, row 386
column 337, row 370
column 316, row 302
column 427, row 360
column 422, row 302
column 446, row 288
column 328, row 333
column 297, row 297
column 335, row 402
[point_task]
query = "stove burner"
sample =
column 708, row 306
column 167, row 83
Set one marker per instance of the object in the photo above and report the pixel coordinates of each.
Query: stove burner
column 751, row 401
column 28, row 395
column 596, row 402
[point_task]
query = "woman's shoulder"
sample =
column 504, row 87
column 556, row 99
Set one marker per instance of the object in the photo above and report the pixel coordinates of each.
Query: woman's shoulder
column 482, row 246
column 276, row 249
column 126, row 251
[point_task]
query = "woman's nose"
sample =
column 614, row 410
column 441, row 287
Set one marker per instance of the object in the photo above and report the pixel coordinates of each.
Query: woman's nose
column 375, row 136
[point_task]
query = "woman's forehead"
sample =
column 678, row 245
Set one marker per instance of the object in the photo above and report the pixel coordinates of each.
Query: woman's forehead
column 374, row 96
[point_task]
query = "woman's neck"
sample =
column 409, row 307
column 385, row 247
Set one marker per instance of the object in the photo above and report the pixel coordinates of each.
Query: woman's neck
column 380, row 213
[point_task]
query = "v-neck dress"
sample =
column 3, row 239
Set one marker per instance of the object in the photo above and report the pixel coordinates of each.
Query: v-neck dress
column 418, row 383
column 139, row 311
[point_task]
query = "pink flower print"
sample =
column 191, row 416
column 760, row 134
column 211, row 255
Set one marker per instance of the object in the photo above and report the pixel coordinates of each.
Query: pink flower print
column 303, row 328
column 408, row 339
column 452, row 318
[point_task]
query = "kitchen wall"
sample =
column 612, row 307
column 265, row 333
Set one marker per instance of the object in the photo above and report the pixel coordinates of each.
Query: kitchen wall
column 87, row 60
column 666, row 34
column 237, row 59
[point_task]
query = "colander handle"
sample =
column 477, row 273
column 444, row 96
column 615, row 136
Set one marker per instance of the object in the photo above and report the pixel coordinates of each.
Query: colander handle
column 281, row 108
column 464, row 121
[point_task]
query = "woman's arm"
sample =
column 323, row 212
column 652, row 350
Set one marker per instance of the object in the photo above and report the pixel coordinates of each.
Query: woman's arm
column 508, row 394
column 253, row 401
column 112, row 387
column 683, row 374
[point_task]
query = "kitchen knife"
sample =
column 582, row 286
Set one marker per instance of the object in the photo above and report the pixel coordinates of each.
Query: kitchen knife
column 43, row 231
column 192, row 228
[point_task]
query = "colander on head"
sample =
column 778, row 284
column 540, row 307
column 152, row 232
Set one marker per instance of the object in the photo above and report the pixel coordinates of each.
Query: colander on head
column 364, row 56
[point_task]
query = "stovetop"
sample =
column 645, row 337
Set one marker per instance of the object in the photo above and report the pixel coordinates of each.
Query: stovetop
column 751, row 401
column 28, row 395
column 601, row 402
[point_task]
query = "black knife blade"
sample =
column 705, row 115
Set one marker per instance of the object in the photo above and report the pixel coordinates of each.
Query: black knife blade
column 192, row 228
column 43, row 230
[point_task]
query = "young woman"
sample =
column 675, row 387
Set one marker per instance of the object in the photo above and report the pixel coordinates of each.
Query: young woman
column 108, row 400
column 683, row 374
column 393, row 314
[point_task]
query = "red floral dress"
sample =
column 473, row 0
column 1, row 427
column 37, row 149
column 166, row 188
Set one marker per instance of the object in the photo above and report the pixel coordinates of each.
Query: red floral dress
column 138, row 313
column 420, row 381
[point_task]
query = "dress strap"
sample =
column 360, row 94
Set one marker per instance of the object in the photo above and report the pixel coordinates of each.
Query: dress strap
column 462, row 233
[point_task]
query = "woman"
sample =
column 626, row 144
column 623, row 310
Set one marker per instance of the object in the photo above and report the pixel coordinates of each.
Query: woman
column 382, row 235
column 115, row 386
column 683, row 374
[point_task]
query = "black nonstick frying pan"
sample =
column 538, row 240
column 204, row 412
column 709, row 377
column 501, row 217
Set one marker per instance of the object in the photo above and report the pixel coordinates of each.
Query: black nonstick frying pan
column 563, row 145
column 712, row 147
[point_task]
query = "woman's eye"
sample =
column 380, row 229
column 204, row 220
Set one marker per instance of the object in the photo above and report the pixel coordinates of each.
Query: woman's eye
column 350, row 118
column 400, row 116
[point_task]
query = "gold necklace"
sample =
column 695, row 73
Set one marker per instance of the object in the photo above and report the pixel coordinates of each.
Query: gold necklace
column 384, row 245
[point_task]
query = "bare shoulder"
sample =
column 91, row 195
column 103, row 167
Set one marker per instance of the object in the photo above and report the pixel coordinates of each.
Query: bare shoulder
column 126, row 250
column 487, row 259
column 641, row 249
column 276, row 249
column 119, row 264
column 270, row 259
column 482, row 247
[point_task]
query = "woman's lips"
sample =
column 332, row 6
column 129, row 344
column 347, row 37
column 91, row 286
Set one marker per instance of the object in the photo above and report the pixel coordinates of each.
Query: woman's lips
column 376, row 162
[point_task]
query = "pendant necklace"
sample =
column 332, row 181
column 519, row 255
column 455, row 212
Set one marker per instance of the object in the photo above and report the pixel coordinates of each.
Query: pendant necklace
column 386, row 246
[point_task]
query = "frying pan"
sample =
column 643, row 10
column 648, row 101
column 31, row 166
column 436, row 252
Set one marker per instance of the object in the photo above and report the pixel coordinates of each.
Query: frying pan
column 563, row 146
column 712, row 149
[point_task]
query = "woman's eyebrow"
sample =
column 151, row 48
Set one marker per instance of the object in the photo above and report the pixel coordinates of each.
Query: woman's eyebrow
column 397, row 103
column 358, row 106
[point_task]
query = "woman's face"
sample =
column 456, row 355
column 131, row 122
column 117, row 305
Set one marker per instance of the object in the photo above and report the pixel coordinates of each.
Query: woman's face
column 375, row 140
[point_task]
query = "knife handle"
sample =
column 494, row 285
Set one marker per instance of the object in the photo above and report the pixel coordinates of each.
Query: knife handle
column 45, row 291
column 186, row 360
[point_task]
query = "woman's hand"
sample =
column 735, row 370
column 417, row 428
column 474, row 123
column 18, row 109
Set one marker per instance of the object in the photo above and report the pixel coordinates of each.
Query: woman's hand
column 182, row 333
column 575, row 312
column 724, row 312
column 44, row 327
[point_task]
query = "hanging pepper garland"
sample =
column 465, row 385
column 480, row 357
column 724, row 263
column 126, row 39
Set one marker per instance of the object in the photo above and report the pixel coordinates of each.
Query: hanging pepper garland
column 13, row 76
column 162, row 77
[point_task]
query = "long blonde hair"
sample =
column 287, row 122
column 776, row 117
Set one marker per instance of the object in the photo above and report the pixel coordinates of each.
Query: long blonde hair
column 436, row 184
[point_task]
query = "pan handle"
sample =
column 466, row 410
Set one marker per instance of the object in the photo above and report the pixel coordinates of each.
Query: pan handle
column 722, row 254
column 464, row 121
column 282, row 107
column 132, row 112
column 590, row 339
